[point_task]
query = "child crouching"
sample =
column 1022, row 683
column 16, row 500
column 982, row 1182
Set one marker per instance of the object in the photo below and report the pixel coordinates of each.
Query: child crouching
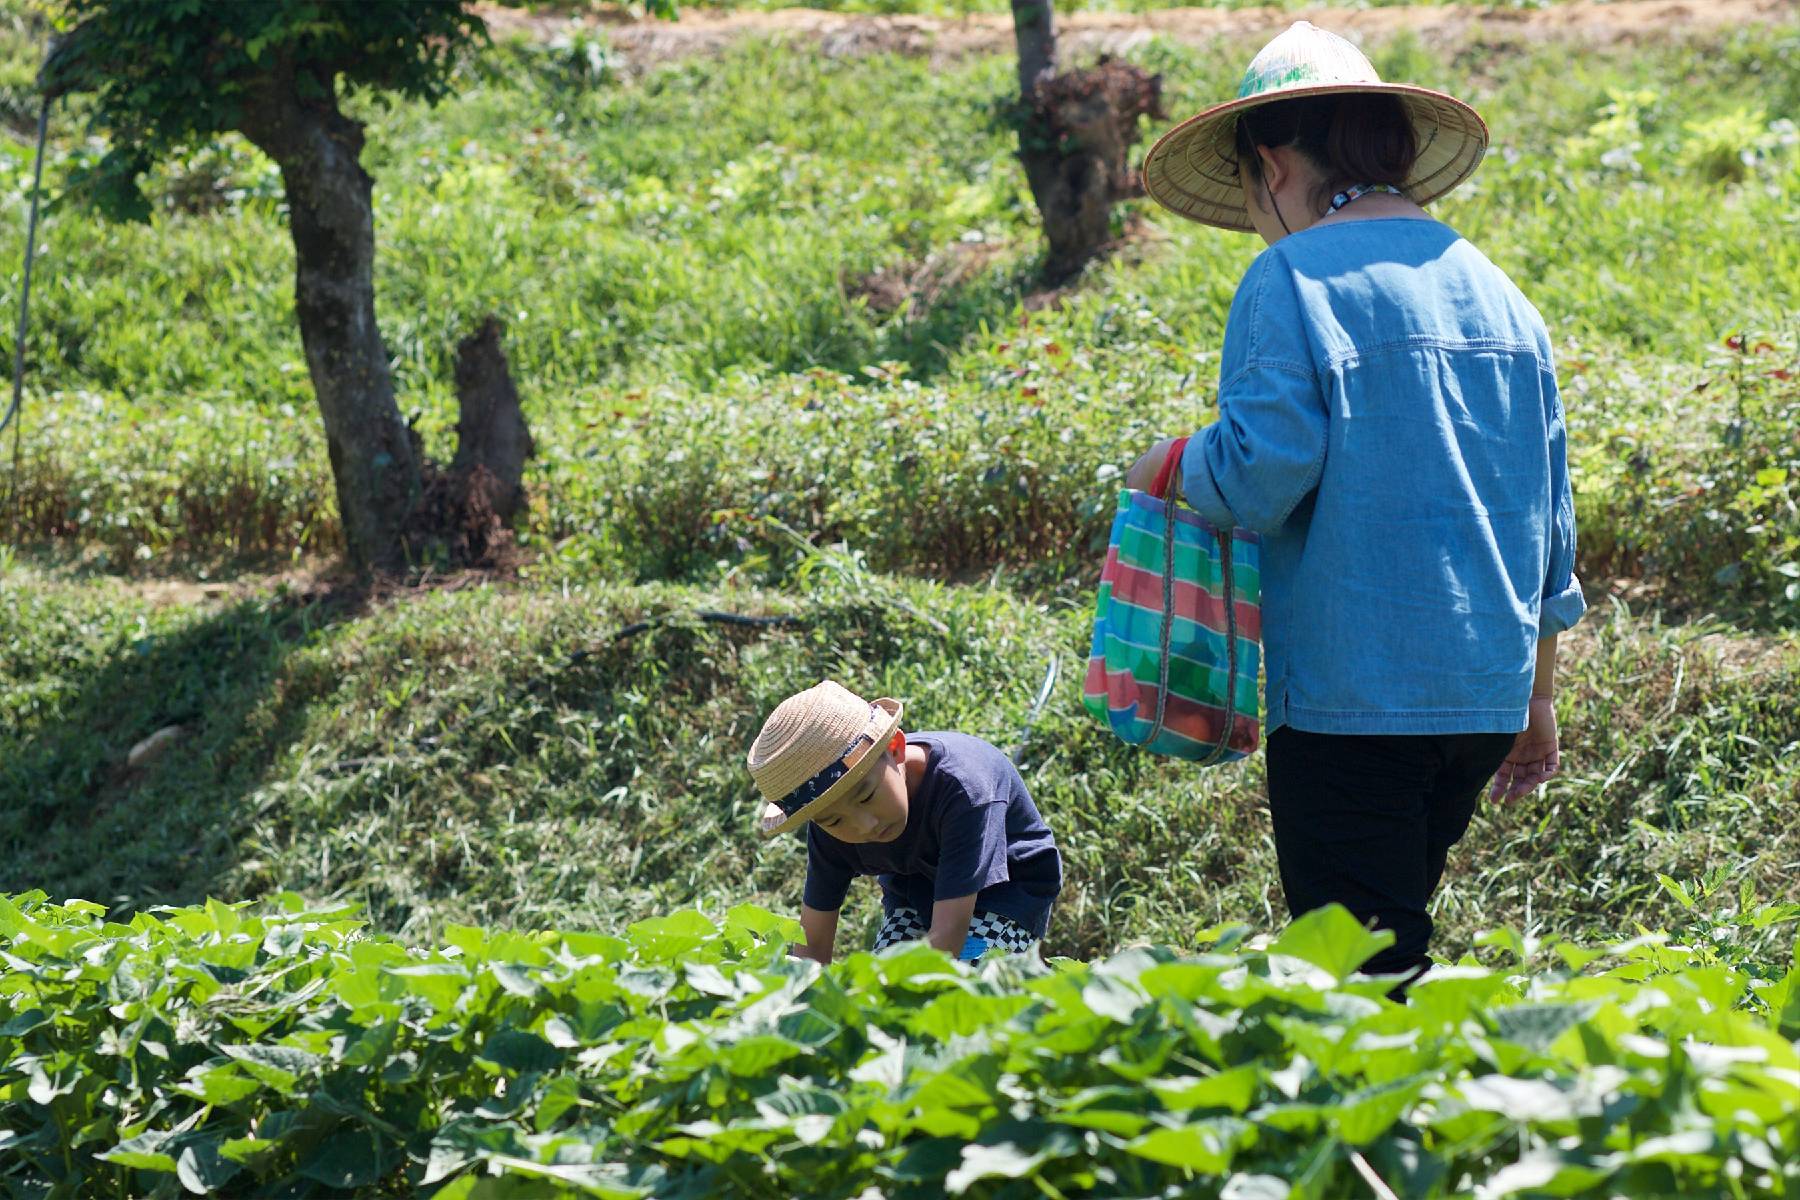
column 942, row 820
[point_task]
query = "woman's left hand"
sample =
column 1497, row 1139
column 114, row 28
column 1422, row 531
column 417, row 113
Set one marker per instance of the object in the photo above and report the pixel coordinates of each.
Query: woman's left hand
column 1144, row 471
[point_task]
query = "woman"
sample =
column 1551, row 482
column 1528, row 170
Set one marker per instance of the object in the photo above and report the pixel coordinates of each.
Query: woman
column 1389, row 422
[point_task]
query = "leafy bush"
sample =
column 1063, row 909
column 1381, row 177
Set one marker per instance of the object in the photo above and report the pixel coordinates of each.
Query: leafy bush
column 1707, row 499
column 284, row 1050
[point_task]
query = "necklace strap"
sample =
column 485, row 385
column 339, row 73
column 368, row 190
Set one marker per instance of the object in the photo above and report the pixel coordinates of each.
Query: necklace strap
column 1358, row 191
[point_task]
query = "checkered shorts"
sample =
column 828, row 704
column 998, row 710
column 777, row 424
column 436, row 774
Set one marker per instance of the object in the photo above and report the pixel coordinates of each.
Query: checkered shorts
column 986, row 932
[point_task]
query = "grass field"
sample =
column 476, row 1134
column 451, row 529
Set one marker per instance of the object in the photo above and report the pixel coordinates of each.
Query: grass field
column 685, row 260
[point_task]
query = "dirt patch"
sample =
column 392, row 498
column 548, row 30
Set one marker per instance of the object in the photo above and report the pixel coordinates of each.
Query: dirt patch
column 913, row 289
column 1749, row 654
column 700, row 32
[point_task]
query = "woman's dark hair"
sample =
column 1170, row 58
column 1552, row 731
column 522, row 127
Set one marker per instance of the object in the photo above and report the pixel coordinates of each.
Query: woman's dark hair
column 1357, row 137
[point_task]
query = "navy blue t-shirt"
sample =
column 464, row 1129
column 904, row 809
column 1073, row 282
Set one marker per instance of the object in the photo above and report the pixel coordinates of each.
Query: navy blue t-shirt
column 970, row 827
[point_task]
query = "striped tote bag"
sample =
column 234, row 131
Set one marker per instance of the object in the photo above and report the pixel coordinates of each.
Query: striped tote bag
column 1177, row 629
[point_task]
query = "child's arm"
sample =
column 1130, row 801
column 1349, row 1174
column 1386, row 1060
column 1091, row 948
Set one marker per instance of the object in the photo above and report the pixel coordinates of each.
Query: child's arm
column 950, row 923
column 821, row 932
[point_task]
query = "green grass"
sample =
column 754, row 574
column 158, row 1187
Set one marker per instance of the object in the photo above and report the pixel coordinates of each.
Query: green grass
column 678, row 258
column 500, row 755
column 678, row 261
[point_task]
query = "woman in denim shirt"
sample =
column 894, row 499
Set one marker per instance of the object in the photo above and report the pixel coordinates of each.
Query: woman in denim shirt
column 1389, row 423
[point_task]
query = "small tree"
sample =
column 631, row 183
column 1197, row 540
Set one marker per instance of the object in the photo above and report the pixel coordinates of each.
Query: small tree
column 168, row 73
column 1076, row 131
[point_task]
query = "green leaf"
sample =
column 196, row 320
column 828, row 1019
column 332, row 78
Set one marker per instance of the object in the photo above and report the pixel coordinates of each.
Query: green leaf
column 1015, row 1157
column 1364, row 1115
column 219, row 1084
column 926, row 1161
column 757, row 1055
column 142, row 1152
column 1233, row 1089
column 1113, row 1108
column 23, row 1023
column 246, row 1149
column 520, row 1050
column 201, row 1169
column 1107, row 996
column 1522, row 1100
column 1255, row 1187
column 1676, row 890
column 764, row 924
column 1205, row 1146
column 280, row 1067
column 515, row 979
column 1536, row 1026
column 372, row 1045
column 1332, row 939
column 224, row 917
column 438, row 983
column 348, row 1159
column 671, row 936
column 1544, row 1173
column 1787, row 1002
column 12, row 921
column 959, row 1014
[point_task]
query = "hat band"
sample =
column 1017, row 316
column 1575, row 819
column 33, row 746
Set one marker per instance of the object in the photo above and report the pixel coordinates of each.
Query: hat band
column 819, row 784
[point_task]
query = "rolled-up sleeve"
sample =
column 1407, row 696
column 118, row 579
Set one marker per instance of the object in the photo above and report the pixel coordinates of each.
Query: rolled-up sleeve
column 1265, row 453
column 1562, row 602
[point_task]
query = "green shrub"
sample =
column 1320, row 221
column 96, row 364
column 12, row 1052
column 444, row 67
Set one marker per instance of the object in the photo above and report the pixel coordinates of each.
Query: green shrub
column 1705, row 496
column 286, row 1050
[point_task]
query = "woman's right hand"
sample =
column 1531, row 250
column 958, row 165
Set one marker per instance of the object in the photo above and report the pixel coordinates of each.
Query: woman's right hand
column 1149, row 465
column 1534, row 757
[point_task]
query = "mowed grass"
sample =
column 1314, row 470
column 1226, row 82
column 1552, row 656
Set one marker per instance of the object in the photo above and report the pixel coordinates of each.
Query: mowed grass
column 508, row 756
column 682, row 260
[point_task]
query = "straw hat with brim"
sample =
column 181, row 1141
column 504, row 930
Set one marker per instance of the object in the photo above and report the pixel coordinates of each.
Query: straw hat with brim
column 1192, row 169
column 802, row 760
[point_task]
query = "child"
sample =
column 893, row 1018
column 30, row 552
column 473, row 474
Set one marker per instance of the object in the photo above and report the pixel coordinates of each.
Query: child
column 941, row 819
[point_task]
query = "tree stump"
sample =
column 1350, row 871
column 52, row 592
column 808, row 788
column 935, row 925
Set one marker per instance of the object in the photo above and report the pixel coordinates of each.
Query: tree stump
column 464, row 510
column 1075, row 140
column 491, row 431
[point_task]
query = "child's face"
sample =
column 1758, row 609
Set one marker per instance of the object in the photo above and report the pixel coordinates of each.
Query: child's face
column 875, row 811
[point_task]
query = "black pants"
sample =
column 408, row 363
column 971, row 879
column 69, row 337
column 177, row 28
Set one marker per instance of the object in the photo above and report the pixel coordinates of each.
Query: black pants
column 1366, row 820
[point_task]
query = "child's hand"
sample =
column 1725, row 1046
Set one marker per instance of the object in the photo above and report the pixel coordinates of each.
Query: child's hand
column 1144, row 471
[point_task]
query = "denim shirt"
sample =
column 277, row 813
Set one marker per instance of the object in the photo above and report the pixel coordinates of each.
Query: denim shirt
column 1389, row 423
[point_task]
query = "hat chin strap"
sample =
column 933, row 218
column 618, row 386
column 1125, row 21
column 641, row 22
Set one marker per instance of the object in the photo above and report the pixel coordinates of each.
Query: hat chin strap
column 1272, row 204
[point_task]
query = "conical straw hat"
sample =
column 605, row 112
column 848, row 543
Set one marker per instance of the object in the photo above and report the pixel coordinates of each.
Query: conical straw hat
column 813, row 749
column 1192, row 169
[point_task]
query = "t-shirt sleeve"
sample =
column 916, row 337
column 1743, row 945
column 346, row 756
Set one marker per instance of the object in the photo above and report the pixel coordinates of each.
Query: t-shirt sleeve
column 1256, row 463
column 828, row 872
column 971, row 845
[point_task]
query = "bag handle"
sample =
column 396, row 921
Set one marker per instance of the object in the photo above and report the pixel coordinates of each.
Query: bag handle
column 1163, row 488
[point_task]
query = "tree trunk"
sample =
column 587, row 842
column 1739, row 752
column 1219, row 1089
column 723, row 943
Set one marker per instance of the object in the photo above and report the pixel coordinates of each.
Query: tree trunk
column 1075, row 137
column 1034, row 33
column 374, row 460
